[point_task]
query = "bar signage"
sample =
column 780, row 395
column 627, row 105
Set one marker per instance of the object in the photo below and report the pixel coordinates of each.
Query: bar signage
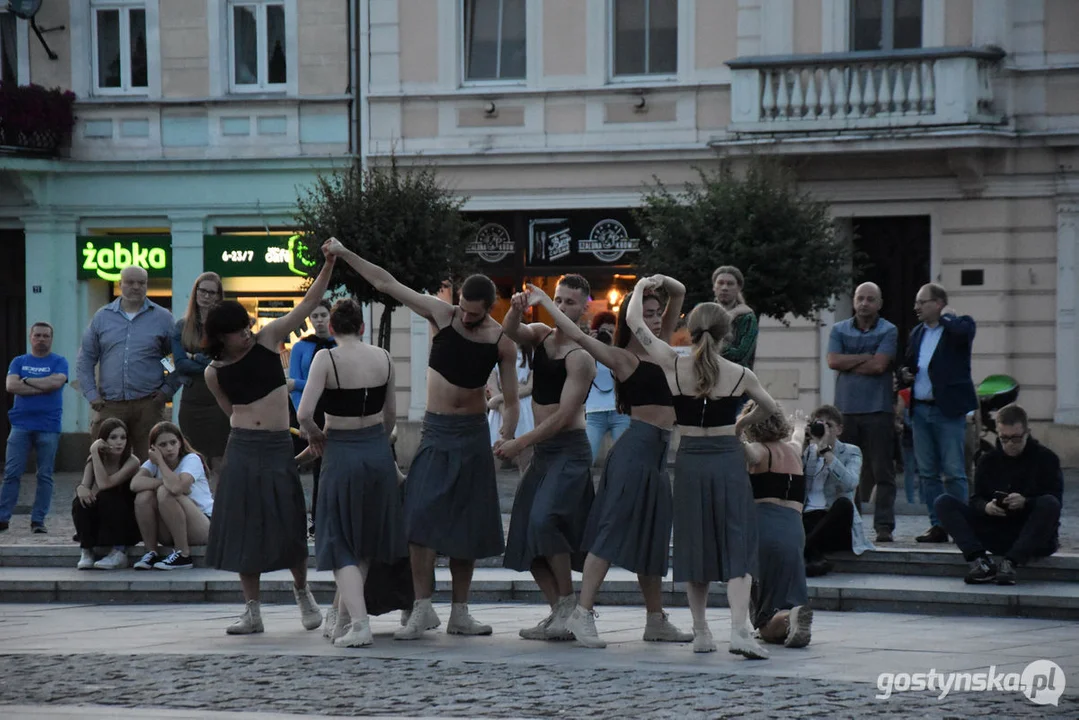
column 256, row 256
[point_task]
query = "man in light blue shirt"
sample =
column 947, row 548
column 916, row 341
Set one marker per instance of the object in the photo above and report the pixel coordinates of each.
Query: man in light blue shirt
column 862, row 349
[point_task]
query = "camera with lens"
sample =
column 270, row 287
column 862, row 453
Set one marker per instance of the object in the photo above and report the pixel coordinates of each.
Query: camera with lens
column 817, row 429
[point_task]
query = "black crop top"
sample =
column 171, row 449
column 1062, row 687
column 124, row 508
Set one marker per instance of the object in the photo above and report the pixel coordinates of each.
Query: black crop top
column 646, row 385
column 252, row 377
column 705, row 412
column 777, row 485
column 354, row 402
column 463, row 362
column 548, row 375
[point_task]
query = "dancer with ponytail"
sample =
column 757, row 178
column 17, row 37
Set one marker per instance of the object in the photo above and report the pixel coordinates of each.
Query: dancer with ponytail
column 715, row 522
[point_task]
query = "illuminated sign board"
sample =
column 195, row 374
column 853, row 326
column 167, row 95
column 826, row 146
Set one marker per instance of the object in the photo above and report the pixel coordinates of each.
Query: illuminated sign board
column 103, row 257
column 256, row 256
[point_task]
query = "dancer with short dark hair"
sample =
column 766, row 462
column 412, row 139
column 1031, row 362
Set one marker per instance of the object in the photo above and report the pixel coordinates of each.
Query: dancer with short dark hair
column 259, row 521
column 451, row 494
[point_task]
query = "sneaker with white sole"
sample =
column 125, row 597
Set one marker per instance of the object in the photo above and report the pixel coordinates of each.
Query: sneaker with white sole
column 462, row 623
column 250, row 622
column 798, row 627
column 175, row 561
column 742, row 643
column 405, row 615
column 86, row 560
column 658, row 628
column 147, row 561
column 330, row 623
column 582, row 623
column 702, row 640
column 310, row 615
column 358, row 635
column 341, row 625
column 420, row 620
column 553, row 627
column 115, row 560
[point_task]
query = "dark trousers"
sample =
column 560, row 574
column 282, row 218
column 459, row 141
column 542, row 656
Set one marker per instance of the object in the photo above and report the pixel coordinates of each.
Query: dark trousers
column 1030, row 533
column 828, row 530
column 874, row 434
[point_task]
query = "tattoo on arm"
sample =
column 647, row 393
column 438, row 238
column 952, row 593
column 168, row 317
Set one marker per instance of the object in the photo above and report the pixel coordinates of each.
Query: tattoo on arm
column 644, row 335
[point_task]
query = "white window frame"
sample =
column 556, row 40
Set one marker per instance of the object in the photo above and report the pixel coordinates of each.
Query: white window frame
column 645, row 77
column 22, row 49
column 263, row 85
column 124, row 7
column 462, row 23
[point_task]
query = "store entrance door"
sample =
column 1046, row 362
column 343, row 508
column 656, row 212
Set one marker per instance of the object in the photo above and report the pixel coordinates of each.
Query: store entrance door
column 12, row 308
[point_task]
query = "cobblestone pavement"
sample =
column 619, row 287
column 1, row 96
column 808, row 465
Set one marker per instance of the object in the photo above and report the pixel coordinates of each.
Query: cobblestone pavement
column 177, row 657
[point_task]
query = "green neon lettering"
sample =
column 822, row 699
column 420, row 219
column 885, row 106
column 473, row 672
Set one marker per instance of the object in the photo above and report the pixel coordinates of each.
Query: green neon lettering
column 138, row 255
column 89, row 254
column 297, row 263
column 157, row 258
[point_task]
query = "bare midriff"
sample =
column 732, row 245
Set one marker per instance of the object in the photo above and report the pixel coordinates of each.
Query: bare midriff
column 269, row 412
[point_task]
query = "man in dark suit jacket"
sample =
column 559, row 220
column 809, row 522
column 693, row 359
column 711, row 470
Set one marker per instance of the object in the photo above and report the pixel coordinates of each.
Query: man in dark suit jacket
column 937, row 365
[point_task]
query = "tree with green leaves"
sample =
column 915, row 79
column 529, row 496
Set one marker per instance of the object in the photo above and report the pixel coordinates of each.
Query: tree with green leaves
column 402, row 219
column 781, row 238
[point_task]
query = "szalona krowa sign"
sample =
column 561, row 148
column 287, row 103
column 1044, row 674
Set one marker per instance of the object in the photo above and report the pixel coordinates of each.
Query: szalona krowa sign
column 104, row 257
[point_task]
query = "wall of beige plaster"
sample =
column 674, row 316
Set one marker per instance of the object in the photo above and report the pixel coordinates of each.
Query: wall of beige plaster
column 958, row 22
column 807, row 27
column 185, row 48
column 1061, row 26
column 418, row 41
column 43, row 71
column 323, row 47
column 565, row 38
column 717, row 33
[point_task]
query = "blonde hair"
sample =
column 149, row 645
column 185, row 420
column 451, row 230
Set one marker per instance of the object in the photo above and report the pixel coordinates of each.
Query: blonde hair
column 776, row 428
column 191, row 337
column 708, row 325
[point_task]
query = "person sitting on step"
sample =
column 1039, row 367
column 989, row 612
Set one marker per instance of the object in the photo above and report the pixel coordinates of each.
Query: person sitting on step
column 172, row 499
column 1014, row 511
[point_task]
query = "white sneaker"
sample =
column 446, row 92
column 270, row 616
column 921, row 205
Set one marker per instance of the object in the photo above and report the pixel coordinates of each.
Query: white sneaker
column 702, row 641
column 86, row 560
column 421, row 619
column 358, row 635
column 250, row 622
column 330, row 624
column 310, row 615
column 462, row 623
column 582, row 623
column 658, row 628
column 115, row 560
column 743, row 644
column 798, row 627
column 553, row 627
column 405, row 615
column 341, row 625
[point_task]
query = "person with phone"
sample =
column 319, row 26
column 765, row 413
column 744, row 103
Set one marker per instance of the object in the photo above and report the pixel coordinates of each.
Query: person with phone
column 1014, row 511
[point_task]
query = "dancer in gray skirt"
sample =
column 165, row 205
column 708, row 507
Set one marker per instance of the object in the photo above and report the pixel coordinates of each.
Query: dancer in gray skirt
column 715, row 522
column 451, row 495
column 259, row 522
column 630, row 521
column 556, row 492
column 359, row 506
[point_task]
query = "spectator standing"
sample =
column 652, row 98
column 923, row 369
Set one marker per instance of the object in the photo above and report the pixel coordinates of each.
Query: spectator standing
column 937, row 365
column 601, row 412
column 36, row 380
column 126, row 343
column 862, row 350
column 727, row 285
column 905, row 426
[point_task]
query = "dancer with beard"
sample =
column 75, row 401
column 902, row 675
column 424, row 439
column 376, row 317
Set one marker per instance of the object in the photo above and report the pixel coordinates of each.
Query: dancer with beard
column 451, row 494
column 555, row 495
column 630, row 521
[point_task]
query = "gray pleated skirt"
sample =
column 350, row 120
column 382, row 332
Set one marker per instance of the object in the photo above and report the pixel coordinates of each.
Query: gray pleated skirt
column 360, row 516
column 715, row 521
column 781, row 584
column 259, row 522
column 451, row 494
column 630, row 522
column 552, row 503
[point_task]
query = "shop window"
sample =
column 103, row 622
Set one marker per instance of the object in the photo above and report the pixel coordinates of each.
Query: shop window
column 644, row 37
column 886, row 24
column 494, row 40
column 258, row 57
column 120, row 62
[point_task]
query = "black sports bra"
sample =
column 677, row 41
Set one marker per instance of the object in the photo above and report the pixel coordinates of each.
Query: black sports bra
column 780, row 486
column 463, row 362
column 703, row 411
column 252, row 377
column 354, row 402
column 646, row 385
column 548, row 374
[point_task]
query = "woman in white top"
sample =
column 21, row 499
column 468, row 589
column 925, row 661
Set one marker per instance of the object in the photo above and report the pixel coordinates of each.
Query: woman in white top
column 172, row 499
column 525, row 420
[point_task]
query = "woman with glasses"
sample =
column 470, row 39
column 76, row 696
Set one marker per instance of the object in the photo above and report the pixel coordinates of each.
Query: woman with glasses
column 203, row 422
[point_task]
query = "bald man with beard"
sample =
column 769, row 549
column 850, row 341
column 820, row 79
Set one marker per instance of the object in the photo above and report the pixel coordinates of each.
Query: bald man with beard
column 862, row 350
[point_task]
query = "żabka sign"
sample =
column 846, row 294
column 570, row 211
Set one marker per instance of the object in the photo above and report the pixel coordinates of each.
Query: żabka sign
column 104, row 257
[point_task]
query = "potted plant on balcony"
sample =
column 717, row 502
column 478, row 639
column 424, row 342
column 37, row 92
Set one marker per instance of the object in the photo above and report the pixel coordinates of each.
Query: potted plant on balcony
column 35, row 118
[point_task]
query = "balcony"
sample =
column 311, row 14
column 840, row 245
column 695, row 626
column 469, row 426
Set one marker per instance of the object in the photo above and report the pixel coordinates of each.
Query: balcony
column 865, row 91
column 34, row 120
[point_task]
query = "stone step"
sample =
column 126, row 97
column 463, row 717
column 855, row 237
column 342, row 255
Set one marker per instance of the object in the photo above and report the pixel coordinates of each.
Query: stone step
column 846, row 592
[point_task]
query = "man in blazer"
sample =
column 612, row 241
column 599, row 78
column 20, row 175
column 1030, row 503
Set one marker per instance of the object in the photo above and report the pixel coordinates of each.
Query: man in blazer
column 937, row 365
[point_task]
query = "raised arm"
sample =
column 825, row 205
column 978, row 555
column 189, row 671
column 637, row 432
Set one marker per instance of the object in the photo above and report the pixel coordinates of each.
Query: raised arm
column 958, row 324
column 278, row 331
column 620, row 361
column 676, row 296
column 580, row 371
column 389, row 408
column 766, row 406
column 521, row 333
column 428, row 306
column 660, row 351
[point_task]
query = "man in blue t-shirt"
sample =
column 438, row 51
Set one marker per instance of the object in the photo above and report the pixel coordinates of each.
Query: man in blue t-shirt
column 37, row 381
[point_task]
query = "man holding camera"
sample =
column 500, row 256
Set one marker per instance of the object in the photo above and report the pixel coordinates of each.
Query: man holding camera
column 832, row 472
column 1015, row 509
